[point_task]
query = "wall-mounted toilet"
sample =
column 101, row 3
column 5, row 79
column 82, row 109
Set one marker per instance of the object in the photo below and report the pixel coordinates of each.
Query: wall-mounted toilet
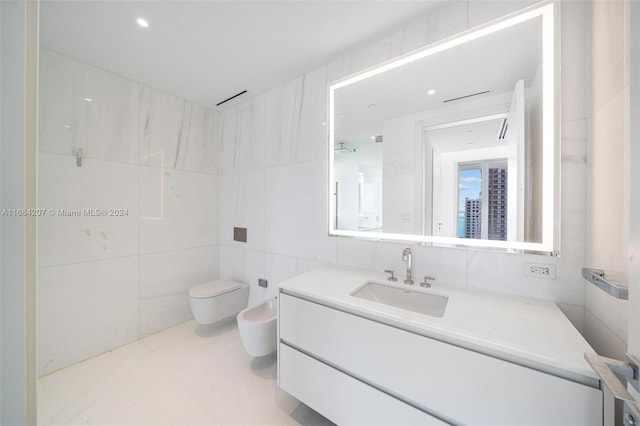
column 257, row 328
column 215, row 300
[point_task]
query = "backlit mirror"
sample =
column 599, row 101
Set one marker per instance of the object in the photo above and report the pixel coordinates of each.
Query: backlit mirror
column 452, row 144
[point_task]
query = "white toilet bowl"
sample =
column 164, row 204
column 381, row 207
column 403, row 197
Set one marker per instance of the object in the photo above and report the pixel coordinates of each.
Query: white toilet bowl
column 215, row 300
column 257, row 327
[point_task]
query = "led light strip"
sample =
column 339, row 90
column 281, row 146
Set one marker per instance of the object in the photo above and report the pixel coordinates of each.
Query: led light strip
column 546, row 11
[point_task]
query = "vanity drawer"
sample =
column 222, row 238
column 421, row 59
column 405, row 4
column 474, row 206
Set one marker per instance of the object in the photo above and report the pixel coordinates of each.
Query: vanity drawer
column 341, row 398
column 445, row 380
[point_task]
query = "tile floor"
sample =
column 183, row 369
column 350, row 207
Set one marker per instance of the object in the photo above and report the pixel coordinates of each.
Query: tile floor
column 187, row 375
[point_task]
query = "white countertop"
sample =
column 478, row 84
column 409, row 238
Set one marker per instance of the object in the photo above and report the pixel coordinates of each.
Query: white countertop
column 528, row 332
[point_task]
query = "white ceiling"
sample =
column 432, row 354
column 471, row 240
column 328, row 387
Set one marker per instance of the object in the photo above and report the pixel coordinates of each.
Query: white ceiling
column 475, row 135
column 493, row 63
column 207, row 51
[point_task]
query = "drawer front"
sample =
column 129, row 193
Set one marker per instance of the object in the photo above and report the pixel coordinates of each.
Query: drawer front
column 445, row 380
column 341, row 398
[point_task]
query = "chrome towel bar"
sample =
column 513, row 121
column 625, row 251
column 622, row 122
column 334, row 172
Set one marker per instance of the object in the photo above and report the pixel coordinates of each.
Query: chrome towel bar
column 629, row 369
column 596, row 277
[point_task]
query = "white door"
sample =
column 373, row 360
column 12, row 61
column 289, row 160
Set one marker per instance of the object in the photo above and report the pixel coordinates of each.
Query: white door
column 516, row 163
column 439, row 226
column 634, row 188
column 633, row 198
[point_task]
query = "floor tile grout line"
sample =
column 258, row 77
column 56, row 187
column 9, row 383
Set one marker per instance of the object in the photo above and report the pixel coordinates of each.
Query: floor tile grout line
column 195, row 398
column 221, row 350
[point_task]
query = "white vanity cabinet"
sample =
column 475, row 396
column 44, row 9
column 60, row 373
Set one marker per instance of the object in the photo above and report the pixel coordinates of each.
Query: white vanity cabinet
column 355, row 370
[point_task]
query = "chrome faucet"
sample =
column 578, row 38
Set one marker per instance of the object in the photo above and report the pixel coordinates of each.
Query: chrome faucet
column 406, row 258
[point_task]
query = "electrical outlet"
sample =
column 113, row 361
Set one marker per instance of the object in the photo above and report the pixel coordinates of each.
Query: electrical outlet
column 540, row 270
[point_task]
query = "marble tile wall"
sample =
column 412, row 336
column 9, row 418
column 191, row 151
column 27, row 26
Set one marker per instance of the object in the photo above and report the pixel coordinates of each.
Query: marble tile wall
column 607, row 232
column 161, row 161
column 105, row 281
column 274, row 173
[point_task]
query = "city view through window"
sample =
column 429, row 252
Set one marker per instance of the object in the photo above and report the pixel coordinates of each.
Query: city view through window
column 482, row 215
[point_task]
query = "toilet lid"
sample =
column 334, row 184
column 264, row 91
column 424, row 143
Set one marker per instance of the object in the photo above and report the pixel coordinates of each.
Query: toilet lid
column 213, row 288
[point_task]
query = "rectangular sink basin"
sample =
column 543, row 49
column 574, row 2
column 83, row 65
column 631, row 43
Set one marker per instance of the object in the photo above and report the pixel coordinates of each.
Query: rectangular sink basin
column 403, row 298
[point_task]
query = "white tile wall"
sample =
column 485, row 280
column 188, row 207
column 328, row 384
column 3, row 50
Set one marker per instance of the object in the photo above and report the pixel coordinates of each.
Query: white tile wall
column 601, row 337
column 283, row 107
column 85, row 309
column 456, row 18
column 175, row 133
column 243, row 137
column 574, row 56
column 105, row 281
column 504, row 273
column 244, row 265
column 98, row 184
column 165, row 278
column 295, row 194
column 311, row 144
column 576, row 315
column 483, row 11
column 272, row 161
column 178, row 209
column 105, row 127
column 297, row 225
column 610, row 313
column 606, row 206
column 278, row 268
column 243, row 195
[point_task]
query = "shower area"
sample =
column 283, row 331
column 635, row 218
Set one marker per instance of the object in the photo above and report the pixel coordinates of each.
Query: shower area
column 128, row 176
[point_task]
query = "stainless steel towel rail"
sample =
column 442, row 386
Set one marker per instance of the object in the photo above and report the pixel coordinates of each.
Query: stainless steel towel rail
column 629, row 369
column 597, row 277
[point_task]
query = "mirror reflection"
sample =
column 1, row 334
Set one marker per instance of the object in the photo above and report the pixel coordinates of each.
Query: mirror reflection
column 448, row 146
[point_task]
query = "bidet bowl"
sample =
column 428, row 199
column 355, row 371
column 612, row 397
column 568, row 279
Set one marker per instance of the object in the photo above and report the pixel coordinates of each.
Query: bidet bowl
column 257, row 328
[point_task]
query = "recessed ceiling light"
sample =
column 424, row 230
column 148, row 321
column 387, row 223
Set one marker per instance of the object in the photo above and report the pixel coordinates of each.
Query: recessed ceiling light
column 142, row 22
column 431, row 92
column 88, row 99
column 66, row 126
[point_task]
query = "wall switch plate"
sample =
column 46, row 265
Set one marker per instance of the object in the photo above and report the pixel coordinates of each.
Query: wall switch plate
column 240, row 234
column 540, row 270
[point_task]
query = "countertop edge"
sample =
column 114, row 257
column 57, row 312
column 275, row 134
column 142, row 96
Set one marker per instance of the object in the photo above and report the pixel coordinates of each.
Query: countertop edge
column 528, row 360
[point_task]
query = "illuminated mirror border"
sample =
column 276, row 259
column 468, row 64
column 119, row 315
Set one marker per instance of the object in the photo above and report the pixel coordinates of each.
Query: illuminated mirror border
column 550, row 201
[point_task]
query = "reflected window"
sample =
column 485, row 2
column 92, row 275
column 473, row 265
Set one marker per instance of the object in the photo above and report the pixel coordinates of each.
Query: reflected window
column 469, row 200
column 483, row 203
column 494, row 100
